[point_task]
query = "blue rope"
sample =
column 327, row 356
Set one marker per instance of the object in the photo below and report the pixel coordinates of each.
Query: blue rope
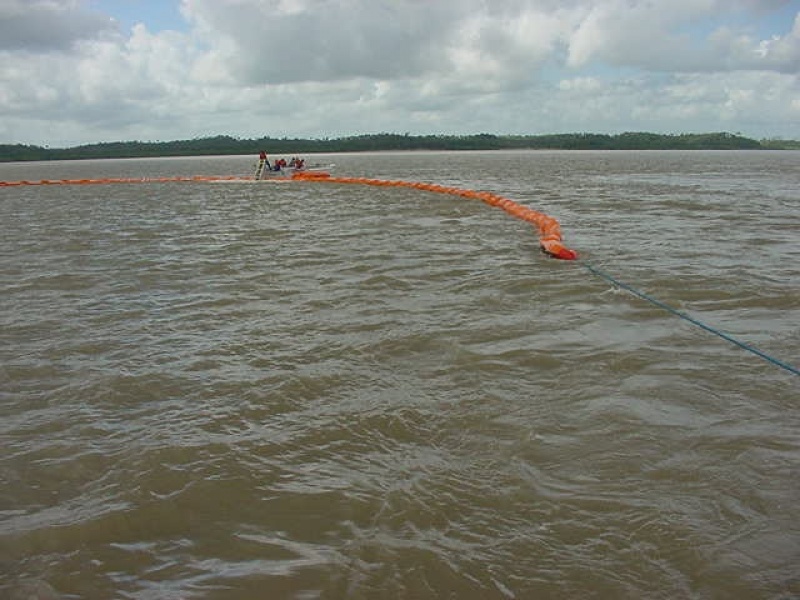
column 691, row 319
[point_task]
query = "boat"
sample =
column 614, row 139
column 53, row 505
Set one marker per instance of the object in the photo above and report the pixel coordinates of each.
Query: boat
column 281, row 169
column 280, row 172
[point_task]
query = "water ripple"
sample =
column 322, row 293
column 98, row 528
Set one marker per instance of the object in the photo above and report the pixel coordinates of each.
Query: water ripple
column 329, row 391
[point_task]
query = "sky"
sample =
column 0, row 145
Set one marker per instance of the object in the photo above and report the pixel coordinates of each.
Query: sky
column 83, row 71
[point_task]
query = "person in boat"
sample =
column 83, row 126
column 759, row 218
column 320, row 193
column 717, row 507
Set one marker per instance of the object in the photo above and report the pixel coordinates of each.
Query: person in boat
column 262, row 157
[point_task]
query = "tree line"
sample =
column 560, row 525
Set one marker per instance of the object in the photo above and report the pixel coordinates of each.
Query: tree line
column 227, row 145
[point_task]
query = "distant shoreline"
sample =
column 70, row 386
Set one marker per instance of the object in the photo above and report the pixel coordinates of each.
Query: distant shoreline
column 227, row 145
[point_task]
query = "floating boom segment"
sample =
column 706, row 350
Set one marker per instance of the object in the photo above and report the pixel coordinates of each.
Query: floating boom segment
column 549, row 229
column 108, row 180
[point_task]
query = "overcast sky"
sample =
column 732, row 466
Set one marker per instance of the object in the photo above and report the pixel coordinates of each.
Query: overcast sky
column 80, row 71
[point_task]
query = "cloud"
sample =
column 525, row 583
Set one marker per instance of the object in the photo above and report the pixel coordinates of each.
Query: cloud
column 744, row 51
column 663, row 36
column 318, row 68
column 274, row 42
column 48, row 26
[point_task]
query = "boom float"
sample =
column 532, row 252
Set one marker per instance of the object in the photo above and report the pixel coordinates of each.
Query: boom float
column 549, row 229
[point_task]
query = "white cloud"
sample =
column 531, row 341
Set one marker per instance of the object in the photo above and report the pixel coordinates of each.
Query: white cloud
column 743, row 51
column 783, row 52
column 49, row 25
column 269, row 43
column 659, row 36
column 317, row 68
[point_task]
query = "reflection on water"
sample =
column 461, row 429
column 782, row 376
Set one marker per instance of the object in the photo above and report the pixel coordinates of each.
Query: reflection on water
column 313, row 390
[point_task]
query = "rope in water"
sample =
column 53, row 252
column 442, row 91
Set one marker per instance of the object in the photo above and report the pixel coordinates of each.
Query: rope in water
column 550, row 241
column 690, row 319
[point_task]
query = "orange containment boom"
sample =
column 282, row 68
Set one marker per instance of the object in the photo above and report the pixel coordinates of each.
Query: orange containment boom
column 108, row 180
column 548, row 227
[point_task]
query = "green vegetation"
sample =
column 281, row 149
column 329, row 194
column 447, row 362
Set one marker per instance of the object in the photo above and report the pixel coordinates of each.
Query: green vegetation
column 778, row 144
column 226, row 145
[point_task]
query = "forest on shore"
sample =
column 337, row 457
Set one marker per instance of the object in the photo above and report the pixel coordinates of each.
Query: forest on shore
column 227, row 145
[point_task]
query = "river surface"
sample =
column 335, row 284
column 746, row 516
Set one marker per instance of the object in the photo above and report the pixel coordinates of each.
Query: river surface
column 317, row 390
